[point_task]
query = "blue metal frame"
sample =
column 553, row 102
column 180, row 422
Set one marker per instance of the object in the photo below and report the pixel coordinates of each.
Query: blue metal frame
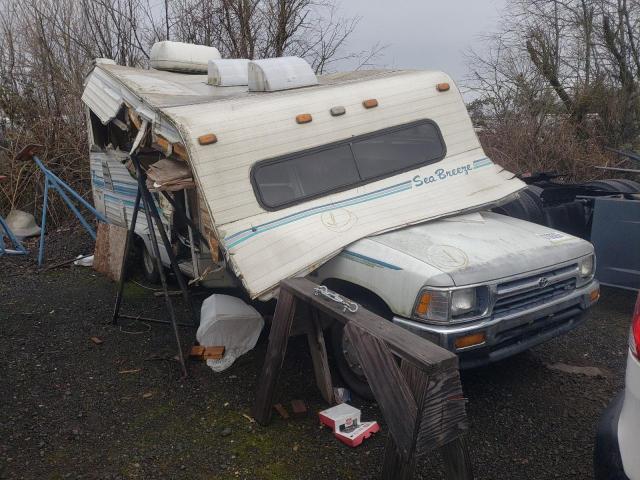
column 51, row 180
column 19, row 248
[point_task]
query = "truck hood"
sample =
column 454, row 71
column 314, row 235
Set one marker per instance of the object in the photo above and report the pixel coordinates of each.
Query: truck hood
column 484, row 246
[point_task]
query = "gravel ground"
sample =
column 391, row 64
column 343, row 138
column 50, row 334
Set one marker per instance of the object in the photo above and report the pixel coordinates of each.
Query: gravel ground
column 74, row 409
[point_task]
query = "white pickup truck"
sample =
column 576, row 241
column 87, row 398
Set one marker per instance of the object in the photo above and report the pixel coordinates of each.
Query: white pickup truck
column 482, row 285
column 372, row 183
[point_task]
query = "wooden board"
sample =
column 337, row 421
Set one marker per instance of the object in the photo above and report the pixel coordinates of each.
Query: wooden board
column 401, row 342
column 315, row 338
column 109, row 250
column 389, row 387
column 278, row 339
column 281, row 411
column 443, row 416
column 214, row 353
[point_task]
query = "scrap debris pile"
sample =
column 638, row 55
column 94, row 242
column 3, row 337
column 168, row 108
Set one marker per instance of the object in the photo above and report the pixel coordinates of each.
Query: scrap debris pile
column 169, row 175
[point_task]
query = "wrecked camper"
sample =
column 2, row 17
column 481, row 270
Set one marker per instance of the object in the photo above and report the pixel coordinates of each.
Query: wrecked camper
column 370, row 182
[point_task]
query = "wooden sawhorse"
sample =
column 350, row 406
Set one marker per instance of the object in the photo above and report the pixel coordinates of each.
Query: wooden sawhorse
column 415, row 382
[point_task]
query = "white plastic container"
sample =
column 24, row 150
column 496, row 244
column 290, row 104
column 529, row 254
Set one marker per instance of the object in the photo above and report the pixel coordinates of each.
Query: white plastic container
column 182, row 57
column 282, row 73
column 228, row 72
column 229, row 322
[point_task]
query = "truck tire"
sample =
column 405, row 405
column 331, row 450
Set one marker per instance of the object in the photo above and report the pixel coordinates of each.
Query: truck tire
column 150, row 266
column 345, row 356
column 616, row 185
column 528, row 206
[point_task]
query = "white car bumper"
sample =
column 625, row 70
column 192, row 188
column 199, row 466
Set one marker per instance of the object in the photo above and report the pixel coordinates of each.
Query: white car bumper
column 629, row 423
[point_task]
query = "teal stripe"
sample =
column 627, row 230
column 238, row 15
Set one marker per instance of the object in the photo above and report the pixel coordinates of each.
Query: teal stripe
column 249, row 233
column 358, row 256
column 483, row 162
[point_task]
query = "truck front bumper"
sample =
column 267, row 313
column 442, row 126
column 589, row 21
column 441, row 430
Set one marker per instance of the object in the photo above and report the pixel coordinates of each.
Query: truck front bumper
column 510, row 334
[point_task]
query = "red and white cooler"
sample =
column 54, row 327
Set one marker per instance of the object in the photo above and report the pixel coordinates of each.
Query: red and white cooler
column 345, row 422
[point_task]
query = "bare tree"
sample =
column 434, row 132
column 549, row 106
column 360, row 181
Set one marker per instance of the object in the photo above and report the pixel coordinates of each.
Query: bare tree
column 557, row 83
column 312, row 29
column 47, row 47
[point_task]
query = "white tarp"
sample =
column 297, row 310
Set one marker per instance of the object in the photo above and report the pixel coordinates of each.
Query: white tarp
column 229, row 322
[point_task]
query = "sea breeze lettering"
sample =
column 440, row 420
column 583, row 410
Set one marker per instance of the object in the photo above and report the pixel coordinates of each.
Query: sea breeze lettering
column 442, row 174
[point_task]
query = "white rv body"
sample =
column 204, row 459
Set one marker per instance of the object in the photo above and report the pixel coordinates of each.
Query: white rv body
column 263, row 247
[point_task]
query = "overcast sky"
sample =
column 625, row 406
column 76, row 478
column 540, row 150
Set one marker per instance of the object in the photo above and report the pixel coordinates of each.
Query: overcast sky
column 429, row 34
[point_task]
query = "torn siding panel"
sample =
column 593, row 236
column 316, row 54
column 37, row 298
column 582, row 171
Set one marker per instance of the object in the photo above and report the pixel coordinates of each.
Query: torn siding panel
column 103, row 100
column 114, row 190
column 105, row 95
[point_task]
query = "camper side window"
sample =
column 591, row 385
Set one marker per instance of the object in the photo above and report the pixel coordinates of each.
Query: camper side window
column 284, row 181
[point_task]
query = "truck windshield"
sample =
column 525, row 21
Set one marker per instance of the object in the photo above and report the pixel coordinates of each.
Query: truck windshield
column 285, row 181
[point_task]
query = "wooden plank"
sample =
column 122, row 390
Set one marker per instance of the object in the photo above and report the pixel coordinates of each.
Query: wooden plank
column 196, row 351
column 214, row 353
column 162, row 144
column 109, row 250
column 278, row 339
column 394, row 466
column 180, row 151
column 318, row 349
column 117, row 244
column 281, row 411
column 457, row 461
column 427, row 355
column 443, row 414
column 388, row 386
column 101, row 251
column 214, row 249
column 299, row 408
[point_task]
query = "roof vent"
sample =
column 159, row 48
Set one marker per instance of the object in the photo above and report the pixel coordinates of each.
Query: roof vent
column 228, row 72
column 283, row 73
column 182, row 57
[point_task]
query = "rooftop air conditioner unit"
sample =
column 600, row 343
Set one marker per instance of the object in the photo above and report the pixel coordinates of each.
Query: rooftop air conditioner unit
column 283, row 73
column 182, row 57
column 228, row 72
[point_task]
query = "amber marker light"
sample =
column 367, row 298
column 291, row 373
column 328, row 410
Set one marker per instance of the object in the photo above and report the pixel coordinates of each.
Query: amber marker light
column 207, row 139
column 442, row 87
column 370, row 103
column 423, row 305
column 304, row 118
column 470, row 340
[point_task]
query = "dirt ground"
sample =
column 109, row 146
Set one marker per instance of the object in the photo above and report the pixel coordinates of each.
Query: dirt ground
column 72, row 409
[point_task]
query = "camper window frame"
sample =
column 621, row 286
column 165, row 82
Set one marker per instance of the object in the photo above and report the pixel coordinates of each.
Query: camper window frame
column 347, row 141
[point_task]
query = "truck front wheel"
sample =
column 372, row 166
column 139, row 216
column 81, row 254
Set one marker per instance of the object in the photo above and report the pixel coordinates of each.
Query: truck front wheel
column 344, row 352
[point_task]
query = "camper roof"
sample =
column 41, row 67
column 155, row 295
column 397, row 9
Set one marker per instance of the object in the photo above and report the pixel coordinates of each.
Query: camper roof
column 170, row 89
column 265, row 245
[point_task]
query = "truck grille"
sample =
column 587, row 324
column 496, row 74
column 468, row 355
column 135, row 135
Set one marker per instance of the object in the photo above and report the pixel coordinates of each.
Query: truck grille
column 534, row 290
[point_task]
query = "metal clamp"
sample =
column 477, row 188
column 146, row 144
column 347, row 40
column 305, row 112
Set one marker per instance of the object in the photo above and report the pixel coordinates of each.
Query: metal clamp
column 347, row 305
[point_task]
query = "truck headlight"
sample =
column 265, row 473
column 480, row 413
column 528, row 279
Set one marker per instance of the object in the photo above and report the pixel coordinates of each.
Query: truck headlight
column 587, row 265
column 443, row 306
column 463, row 301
